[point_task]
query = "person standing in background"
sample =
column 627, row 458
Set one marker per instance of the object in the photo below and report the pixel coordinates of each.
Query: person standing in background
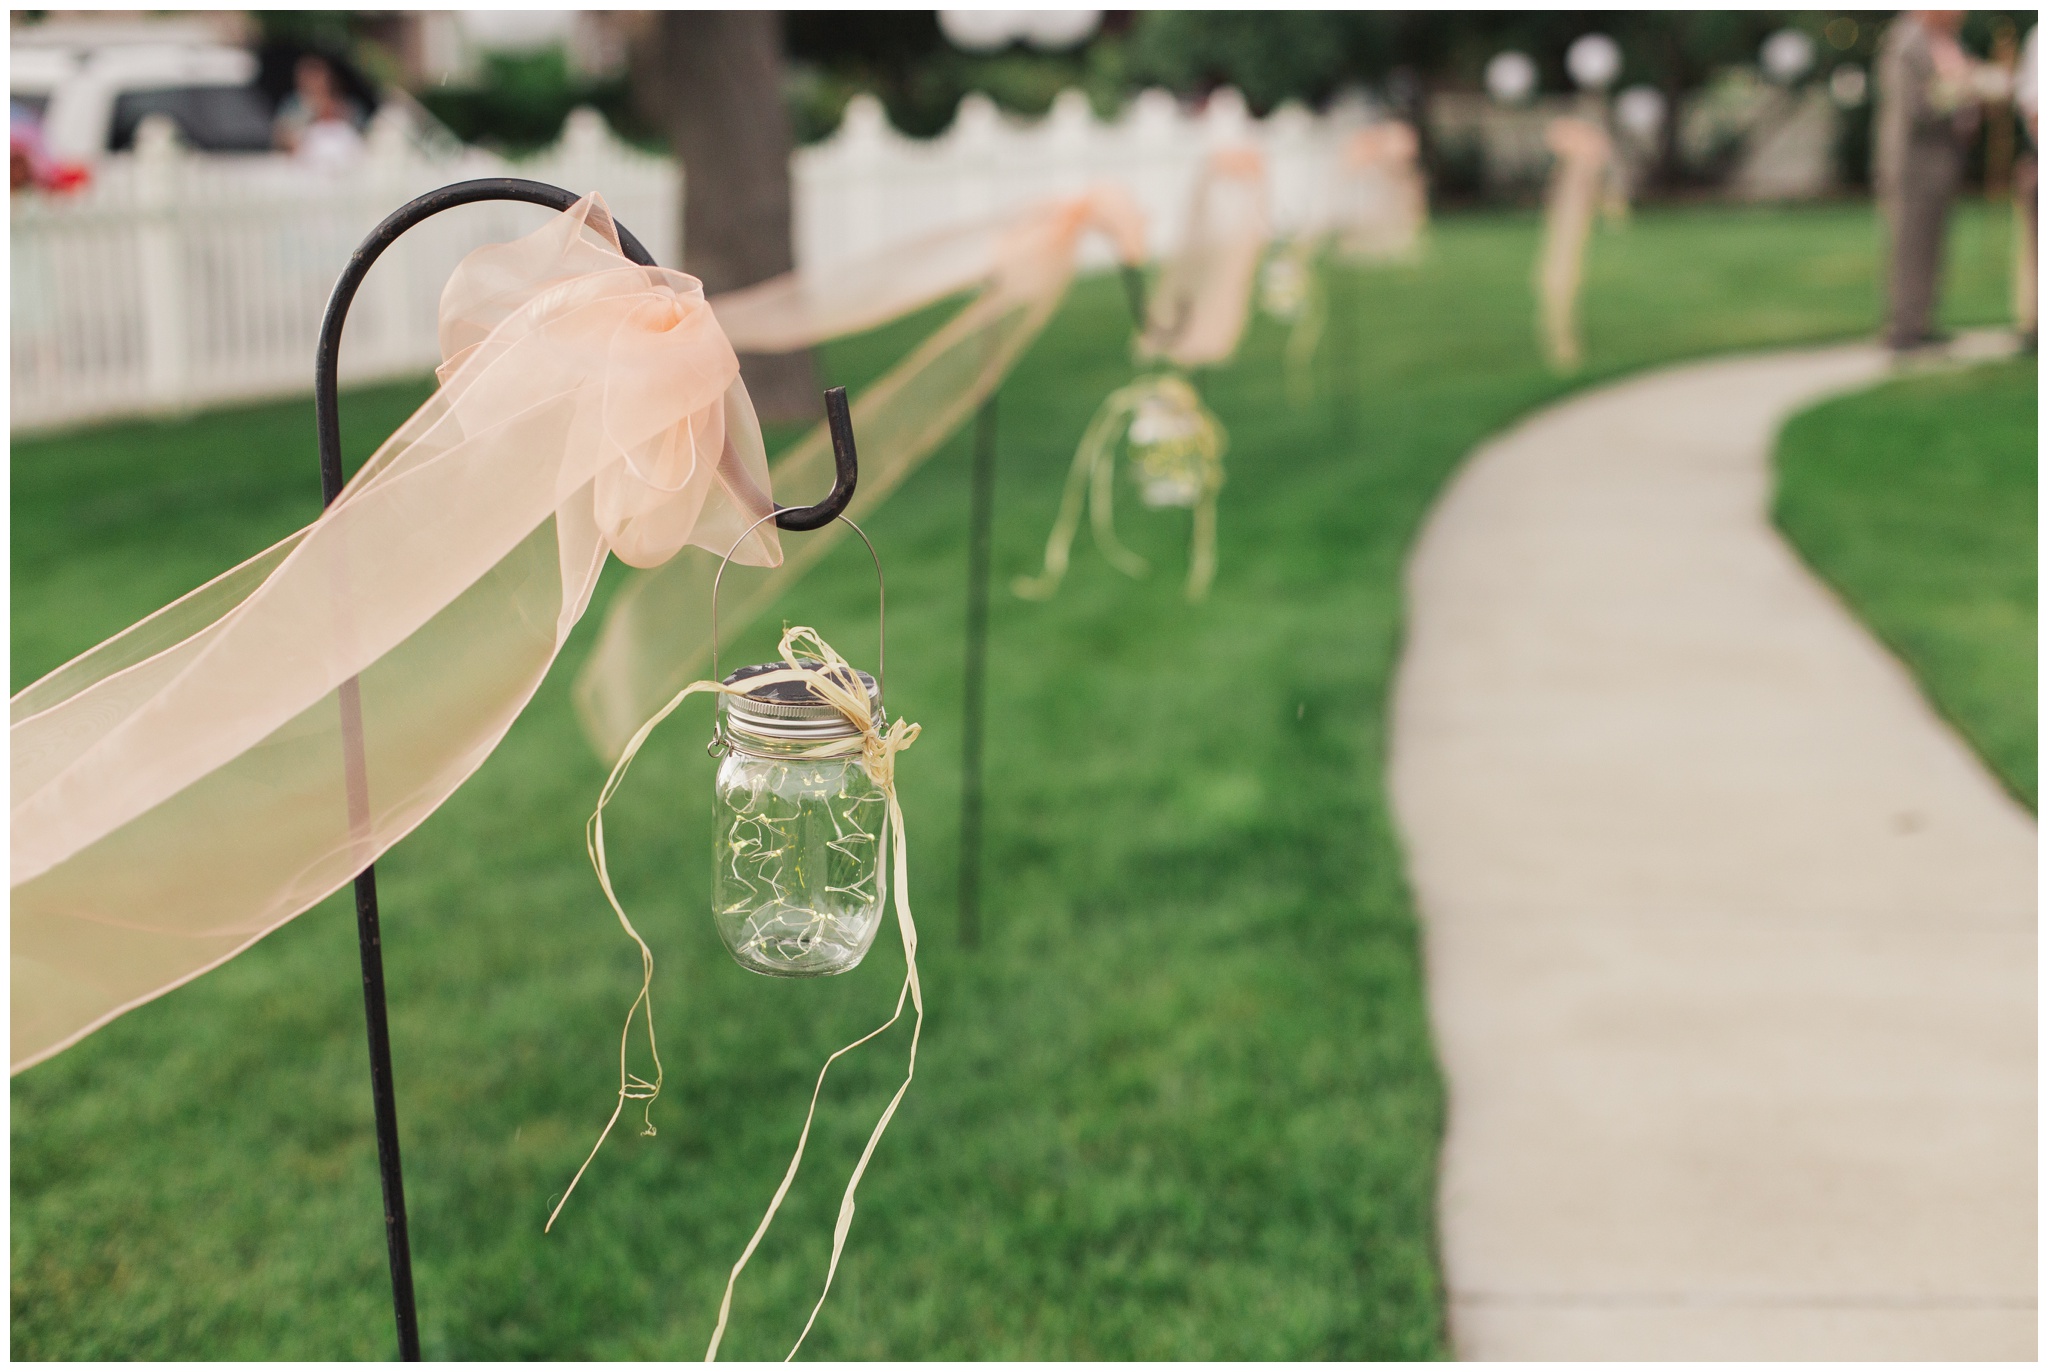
column 2026, row 191
column 318, row 122
column 1926, row 111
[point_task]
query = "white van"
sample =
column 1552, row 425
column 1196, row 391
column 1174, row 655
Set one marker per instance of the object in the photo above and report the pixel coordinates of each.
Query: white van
column 90, row 84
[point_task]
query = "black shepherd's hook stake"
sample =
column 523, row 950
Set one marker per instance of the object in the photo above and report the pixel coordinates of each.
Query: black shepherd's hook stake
column 327, row 421
column 1134, row 294
column 974, row 673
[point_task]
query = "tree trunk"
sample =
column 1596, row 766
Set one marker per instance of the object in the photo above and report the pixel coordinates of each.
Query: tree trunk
column 1678, row 79
column 713, row 80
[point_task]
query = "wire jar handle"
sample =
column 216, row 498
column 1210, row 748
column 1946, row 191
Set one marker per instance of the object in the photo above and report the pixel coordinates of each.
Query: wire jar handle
column 841, row 424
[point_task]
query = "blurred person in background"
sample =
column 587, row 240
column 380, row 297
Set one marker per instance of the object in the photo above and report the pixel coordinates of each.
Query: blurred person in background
column 1926, row 110
column 2026, row 191
column 318, row 122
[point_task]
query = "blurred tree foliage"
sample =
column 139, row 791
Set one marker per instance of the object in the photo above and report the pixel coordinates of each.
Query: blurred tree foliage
column 1271, row 55
column 517, row 102
column 900, row 57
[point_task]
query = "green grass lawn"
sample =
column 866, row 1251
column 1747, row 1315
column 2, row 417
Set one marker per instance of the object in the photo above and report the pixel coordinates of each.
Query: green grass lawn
column 1916, row 501
column 1182, row 1101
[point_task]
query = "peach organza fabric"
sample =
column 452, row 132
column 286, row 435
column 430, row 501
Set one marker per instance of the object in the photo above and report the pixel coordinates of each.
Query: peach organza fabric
column 1198, row 309
column 185, row 787
column 657, row 632
column 1381, row 203
column 1577, row 182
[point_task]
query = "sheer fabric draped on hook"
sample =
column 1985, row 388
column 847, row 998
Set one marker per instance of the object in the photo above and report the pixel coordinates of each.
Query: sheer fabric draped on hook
column 1583, row 152
column 1381, row 203
column 182, row 789
column 1197, row 312
column 657, row 632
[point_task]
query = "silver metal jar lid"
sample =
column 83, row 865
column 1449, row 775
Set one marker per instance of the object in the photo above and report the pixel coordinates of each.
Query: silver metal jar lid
column 791, row 710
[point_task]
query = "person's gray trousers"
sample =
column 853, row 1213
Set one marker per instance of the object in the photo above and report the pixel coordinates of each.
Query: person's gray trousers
column 1917, row 216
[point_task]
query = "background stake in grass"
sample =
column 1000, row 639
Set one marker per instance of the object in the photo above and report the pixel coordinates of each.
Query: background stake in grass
column 980, row 533
column 369, row 933
column 981, row 517
column 1346, row 356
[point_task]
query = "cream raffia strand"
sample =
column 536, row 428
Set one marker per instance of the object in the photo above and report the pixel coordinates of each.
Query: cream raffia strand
column 836, row 682
column 1307, row 334
column 1293, row 290
column 1195, row 456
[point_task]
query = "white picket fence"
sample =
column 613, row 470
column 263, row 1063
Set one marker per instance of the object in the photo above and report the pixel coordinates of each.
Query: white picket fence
column 868, row 186
column 178, row 280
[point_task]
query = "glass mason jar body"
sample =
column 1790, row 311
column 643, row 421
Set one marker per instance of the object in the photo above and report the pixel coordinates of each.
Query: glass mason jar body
column 1171, row 449
column 799, row 829
column 1283, row 286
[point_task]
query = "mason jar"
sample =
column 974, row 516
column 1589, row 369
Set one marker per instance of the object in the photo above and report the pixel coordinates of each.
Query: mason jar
column 798, row 830
column 1283, row 285
column 1172, row 448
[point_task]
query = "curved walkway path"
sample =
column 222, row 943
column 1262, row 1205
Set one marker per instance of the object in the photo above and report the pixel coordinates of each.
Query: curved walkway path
column 1730, row 939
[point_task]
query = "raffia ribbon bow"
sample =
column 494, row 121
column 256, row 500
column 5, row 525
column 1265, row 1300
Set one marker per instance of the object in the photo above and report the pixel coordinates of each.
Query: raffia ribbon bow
column 833, row 680
column 1187, row 460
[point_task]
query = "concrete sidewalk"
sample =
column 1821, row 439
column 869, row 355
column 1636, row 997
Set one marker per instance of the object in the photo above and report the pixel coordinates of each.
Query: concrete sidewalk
column 1730, row 938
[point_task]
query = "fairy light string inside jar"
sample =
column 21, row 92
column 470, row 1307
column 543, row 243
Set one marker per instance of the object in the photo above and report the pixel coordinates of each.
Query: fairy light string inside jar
column 797, row 879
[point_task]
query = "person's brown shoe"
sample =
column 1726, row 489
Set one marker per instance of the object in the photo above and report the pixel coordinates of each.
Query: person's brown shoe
column 1925, row 342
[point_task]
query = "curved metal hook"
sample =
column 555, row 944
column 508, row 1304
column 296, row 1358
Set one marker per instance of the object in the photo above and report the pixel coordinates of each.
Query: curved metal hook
column 845, row 472
column 327, row 356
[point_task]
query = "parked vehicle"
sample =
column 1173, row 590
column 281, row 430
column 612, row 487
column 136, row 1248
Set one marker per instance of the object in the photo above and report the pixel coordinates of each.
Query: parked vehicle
column 90, row 84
